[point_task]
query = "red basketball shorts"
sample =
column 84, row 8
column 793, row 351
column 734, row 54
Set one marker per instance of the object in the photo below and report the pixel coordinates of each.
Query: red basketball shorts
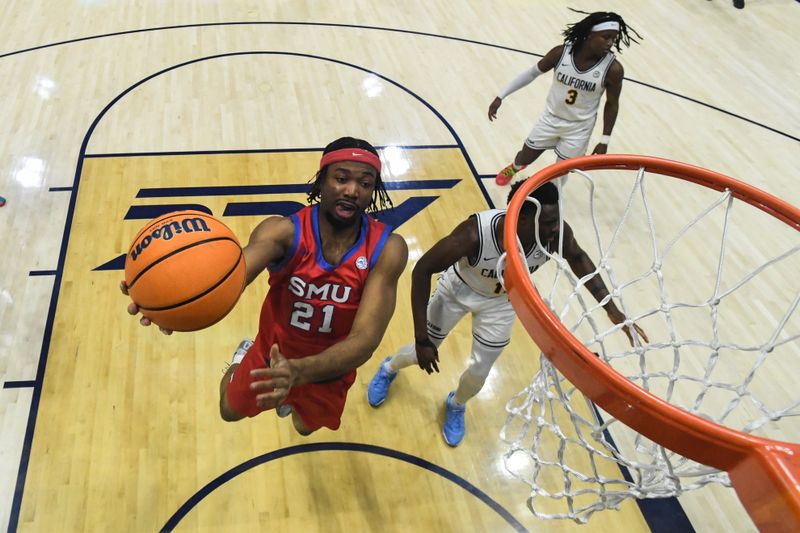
column 317, row 404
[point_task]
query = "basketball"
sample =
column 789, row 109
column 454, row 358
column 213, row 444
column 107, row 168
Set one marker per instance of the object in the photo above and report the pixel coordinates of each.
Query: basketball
column 185, row 270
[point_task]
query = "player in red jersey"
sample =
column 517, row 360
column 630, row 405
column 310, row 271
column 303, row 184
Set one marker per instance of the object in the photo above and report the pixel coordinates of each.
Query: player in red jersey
column 333, row 286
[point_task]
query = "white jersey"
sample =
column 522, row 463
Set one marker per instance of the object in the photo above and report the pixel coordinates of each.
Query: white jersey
column 574, row 94
column 480, row 272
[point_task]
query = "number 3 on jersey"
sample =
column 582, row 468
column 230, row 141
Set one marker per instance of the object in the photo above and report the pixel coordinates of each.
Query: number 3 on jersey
column 303, row 312
column 572, row 95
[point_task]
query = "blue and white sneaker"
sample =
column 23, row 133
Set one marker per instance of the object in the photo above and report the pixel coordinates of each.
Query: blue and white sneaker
column 453, row 428
column 379, row 386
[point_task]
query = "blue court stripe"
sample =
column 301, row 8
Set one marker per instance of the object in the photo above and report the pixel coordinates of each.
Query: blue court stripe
column 19, row 384
column 238, row 190
column 59, row 189
column 149, row 212
column 192, row 502
column 420, row 184
column 42, row 272
column 241, row 209
column 222, row 190
column 262, row 23
column 200, row 152
column 261, row 151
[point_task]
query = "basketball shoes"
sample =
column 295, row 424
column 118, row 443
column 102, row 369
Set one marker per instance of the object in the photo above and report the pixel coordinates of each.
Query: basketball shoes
column 379, row 386
column 238, row 355
column 241, row 351
column 453, row 427
column 507, row 174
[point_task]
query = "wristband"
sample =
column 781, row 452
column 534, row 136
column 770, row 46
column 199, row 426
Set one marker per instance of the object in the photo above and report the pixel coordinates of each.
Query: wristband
column 604, row 139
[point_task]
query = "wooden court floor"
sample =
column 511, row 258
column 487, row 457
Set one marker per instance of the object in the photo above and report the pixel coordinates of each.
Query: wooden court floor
column 111, row 114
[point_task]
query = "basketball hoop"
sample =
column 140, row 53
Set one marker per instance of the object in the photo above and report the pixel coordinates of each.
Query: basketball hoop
column 764, row 472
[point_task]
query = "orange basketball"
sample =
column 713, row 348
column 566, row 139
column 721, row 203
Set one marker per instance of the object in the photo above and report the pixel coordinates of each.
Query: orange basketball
column 185, row 270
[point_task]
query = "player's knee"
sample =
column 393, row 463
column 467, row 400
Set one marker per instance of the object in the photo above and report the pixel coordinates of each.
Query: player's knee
column 228, row 414
column 300, row 427
column 225, row 411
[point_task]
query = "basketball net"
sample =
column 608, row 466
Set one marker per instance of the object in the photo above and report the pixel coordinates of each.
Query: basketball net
column 577, row 459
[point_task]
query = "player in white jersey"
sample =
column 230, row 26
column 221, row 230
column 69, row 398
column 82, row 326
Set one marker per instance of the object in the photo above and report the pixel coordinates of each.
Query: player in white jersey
column 469, row 284
column 584, row 67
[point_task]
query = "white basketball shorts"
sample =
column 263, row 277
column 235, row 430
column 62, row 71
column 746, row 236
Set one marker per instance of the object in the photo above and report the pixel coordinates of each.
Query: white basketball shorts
column 567, row 137
column 492, row 318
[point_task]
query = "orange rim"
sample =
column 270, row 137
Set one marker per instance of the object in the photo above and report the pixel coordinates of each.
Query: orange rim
column 764, row 472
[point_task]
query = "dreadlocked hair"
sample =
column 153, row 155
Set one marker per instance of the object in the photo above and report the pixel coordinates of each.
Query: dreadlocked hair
column 578, row 33
column 380, row 198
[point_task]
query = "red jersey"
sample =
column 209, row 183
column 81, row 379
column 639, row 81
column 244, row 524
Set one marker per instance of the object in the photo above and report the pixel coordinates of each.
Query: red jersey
column 311, row 304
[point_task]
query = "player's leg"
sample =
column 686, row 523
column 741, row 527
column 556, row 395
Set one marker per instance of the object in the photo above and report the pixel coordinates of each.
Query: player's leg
column 574, row 142
column 492, row 320
column 225, row 410
column 300, row 426
column 236, row 399
column 542, row 137
column 570, row 147
column 315, row 405
column 444, row 312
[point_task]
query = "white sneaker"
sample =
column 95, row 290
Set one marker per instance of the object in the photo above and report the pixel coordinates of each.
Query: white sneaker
column 241, row 351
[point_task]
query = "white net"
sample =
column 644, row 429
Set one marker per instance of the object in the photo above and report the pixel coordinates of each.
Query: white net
column 714, row 283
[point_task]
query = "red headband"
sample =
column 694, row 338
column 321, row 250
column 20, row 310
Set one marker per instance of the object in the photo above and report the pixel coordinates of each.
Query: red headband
column 351, row 154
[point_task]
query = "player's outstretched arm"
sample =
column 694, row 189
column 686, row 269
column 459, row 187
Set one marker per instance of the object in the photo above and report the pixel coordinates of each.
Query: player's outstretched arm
column 582, row 265
column 463, row 241
column 371, row 320
column 268, row 244
column 611, row 109
column 547, row 63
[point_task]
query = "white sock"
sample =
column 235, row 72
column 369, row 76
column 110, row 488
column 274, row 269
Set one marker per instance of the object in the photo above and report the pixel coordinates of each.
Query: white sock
column 518, row 167
column 405, row 356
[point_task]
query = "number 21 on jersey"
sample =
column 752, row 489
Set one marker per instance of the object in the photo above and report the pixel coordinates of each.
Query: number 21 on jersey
column 303, row 312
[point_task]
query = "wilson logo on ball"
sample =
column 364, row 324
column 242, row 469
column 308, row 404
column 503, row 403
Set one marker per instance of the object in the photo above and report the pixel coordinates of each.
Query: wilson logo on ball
column 168, row 231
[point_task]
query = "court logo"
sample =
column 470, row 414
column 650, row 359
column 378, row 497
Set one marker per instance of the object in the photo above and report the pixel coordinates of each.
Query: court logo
column 241, row 204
